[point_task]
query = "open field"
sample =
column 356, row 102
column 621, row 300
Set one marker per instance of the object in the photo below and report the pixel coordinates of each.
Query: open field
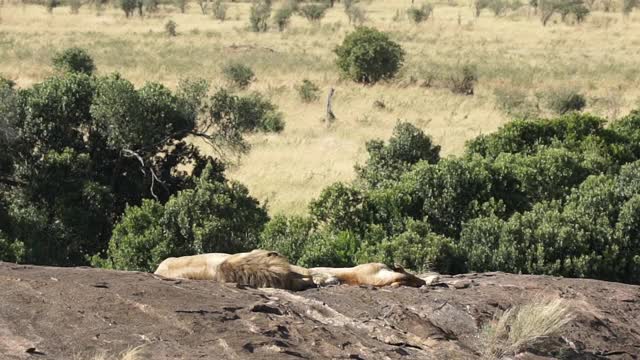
column 513, row 53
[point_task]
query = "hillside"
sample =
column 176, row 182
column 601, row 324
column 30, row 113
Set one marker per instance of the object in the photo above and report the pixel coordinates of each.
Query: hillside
column 65, row 313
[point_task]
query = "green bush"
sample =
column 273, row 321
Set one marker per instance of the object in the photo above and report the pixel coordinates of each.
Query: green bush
column 515, row 102
column 288, row 236
column 368, row 56
column 308, row 91
column 138, row 242
column 260, row 14
column 562, row 101
column 407, row 146
column 418, row 15
column 479, row 5
column 10, row 250
column 181, row 5
column 51, row 4
column 128, row 6
column 75, row 60
column 248, row 113
column 463, row 79
column 313, row 12
column 417, row 249
column 628, row 6
column 356, row 14
column 498, row 7
column 219, row 10
column 339, row 207
column 170, row 28
column 330, row 249
column 214, row 216
column 282, row 17
column 238, row 74
column 75, row 5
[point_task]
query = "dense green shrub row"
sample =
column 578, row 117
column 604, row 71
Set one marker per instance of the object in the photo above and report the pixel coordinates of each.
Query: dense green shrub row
column 558, row 196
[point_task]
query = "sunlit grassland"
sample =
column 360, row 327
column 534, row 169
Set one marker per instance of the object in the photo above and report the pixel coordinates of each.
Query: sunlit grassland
column 513, row 53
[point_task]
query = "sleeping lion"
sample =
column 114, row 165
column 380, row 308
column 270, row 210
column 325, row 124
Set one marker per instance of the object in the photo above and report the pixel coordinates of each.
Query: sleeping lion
column 263, row 268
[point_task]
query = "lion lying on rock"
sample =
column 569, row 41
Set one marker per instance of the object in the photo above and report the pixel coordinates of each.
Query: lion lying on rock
column 263, row 268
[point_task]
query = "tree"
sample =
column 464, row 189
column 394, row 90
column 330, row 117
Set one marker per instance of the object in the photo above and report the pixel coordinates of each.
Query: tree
column 77, row 149
column 368, row 56
column 407, row 146
column 260, row 14
column 215, row 216
column 75, row 60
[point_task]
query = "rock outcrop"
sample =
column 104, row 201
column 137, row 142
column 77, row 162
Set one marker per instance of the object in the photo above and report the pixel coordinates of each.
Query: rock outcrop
column 74, row 313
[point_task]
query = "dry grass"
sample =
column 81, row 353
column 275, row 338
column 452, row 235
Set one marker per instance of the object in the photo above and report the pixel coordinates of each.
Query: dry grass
column 130, row 354
column 522, row 326
column 601, row 58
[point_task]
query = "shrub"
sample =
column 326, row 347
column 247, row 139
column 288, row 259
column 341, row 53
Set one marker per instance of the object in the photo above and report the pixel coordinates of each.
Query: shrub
column 463, row 79
column 417, row 249
column 628, row 6
column 138, row 242
column 418, row 15
column 564, row 8
column 75, row 5
column 356, row 14
column 260, row 14
column 181, row 5
column 214, row 216
column 128, row 6
column 247, row 113
column 150, row 6
column 238, row 74
column 308, row 91
column 515, row 103
column 479, row 5
column 407, row 146
column 10, row 250
column 170, row 28
column 576, row 8
column 368, row 56
column 74, row 60
column 51, row 4
column 313, row 12
column 219, row 10
column 330, row 249
column 339, row 207
column 564, row 100
column 498, row 6
column 282, row 17
column 287, row 235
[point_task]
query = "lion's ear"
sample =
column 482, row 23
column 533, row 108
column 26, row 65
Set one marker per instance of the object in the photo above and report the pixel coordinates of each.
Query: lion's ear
column 272, row 253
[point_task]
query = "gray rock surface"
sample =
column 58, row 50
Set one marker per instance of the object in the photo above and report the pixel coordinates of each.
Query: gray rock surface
column 62, row 313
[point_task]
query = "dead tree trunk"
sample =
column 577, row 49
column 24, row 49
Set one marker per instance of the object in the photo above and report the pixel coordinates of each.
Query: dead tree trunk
column 330, row 117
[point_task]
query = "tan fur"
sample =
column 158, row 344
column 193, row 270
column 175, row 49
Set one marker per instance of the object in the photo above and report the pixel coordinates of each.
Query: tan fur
column 375, row 274
column 258, row 268
column 263, row 268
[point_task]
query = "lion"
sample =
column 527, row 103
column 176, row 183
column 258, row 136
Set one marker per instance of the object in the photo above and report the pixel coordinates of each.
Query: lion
column 374, row 274
column 264, row 268
column 257, row 268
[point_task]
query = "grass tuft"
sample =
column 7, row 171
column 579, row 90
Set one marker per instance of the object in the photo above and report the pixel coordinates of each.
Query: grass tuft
column 522, row 326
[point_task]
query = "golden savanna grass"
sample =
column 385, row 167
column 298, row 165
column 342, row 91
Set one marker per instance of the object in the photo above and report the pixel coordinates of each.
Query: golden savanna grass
column 522, row 326
column 130, row 354
column 513, row 53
